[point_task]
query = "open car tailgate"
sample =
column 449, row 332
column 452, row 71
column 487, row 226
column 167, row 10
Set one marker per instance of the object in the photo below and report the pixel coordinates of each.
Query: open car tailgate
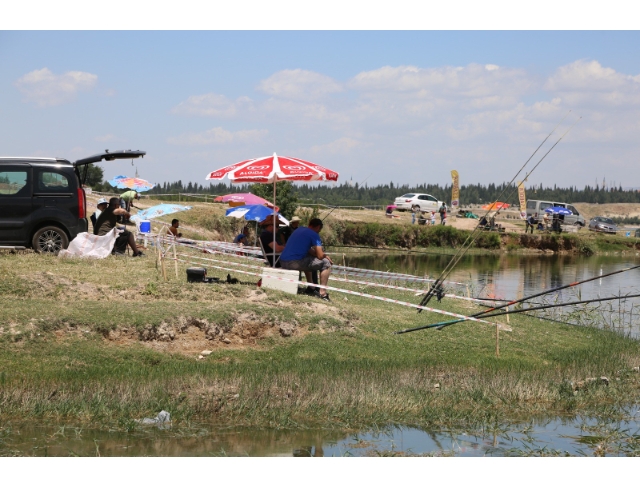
column 110, row 156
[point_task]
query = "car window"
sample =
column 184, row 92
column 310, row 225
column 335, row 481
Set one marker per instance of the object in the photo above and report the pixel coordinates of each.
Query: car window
column 531, row 205
column 12, row 182
column 607, row 220
column 423, row 197
column 408, row 195
column 53, row 182
column 573, row 210
column 431, row 198
column 544, row 205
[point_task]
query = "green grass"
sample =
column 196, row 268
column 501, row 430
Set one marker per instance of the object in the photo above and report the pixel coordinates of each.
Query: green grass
column 77, row 341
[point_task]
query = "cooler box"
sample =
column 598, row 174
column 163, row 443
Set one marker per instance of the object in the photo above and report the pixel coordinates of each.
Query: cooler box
column 269, row 282
column 145, row 226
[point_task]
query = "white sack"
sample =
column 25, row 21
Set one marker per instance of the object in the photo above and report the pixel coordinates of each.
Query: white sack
column 90, row 245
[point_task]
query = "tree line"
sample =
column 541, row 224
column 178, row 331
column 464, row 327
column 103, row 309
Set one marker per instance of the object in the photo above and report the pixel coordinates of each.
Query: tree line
column 353, row 194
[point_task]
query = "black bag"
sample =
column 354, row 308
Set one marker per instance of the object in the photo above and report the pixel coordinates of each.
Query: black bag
column 199, row 274
column 196, row 274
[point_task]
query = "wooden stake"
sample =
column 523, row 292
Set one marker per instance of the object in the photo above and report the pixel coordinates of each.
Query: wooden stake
column 497, row 340
column 175, row 261
column 468, row 292
column 507, row 308
column 164, row 269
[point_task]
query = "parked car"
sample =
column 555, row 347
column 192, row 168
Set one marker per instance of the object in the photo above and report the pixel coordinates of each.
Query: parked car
column 602, row 224
column 538, row 206
column 425, row 202
column 42, row 201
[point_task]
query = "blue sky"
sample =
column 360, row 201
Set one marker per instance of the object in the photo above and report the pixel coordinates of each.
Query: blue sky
column 401, row 106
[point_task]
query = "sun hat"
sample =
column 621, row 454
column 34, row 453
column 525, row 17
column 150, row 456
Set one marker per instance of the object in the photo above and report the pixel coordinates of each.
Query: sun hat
column 295, row 219
column 102, row 201
column 269, row 221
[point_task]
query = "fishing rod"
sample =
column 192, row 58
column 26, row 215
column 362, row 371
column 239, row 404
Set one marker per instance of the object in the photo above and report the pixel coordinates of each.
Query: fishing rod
column 440, row 326
column 511, row 303
column 436, row 287
column 329, row 213
column 454, row 261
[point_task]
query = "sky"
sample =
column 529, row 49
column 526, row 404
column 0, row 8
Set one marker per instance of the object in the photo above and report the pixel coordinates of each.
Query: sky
column 377, row 106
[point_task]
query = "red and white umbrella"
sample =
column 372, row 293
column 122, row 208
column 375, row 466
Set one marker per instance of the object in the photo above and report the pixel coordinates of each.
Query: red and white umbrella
column 272, row 169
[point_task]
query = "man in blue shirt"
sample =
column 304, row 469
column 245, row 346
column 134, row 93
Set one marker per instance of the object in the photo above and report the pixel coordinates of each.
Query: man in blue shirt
column 304, row 252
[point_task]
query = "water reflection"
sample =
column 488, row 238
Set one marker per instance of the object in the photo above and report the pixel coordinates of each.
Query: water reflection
column 508, row 276
column 558, row 437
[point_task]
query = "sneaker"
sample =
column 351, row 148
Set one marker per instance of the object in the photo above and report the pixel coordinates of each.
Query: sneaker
column 311, row 291
column 138, row 254
column 324, row 297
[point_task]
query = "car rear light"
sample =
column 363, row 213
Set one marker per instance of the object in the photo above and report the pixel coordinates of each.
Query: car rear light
column 82, row 204
column 407, row 201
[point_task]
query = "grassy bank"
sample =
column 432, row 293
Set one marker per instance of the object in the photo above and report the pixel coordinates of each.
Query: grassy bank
column 109, row 341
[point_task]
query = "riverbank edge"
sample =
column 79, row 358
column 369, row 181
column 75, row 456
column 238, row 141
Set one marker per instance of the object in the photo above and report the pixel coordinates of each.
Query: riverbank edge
column 447, row 240
column 107, row 362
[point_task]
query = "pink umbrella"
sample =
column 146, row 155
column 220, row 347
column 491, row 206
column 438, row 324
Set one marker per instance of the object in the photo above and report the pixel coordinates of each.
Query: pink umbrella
column 240, row 199
column 272, row 169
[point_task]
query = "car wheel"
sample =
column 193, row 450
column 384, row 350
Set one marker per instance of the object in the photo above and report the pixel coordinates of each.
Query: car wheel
column 415, row 207
column 50, row 240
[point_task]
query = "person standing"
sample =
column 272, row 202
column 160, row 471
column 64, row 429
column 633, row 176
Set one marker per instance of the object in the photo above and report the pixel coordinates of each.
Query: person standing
column 127, row 198
column 414, row 210
column 531, row 222
column 443, row 214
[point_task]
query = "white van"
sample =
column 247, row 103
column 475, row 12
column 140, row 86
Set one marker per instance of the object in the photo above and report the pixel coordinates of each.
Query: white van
column 538, row 206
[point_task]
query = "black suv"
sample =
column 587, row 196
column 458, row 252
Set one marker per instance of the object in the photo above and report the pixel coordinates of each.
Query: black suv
column 42, row 202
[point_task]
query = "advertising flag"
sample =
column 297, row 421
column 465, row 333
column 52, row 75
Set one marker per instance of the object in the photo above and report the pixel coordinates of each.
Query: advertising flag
column 455, row 190
column 523, row 201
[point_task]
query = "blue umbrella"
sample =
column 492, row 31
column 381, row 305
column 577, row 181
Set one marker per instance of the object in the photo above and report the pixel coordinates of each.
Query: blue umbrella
column 253, row 212
column 158, row 210
column 558, row 210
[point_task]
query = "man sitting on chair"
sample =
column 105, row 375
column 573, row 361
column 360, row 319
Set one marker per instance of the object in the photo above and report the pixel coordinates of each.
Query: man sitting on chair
column 304, row 252
column 107, row 222
column 268, row 243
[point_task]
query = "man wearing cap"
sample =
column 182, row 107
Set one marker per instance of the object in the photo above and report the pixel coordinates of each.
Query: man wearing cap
column 101, row 205
column 285, row 232
column 268, row 243
column 304, row 252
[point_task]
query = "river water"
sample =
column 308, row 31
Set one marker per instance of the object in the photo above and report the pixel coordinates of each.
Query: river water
column 510, row 276
column 575, row 436
column 494, row 276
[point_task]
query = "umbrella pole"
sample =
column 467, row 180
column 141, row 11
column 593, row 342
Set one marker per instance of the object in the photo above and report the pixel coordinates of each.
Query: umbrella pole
column 275, row 222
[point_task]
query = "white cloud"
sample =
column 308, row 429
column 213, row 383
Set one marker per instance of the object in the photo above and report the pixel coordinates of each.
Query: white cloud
column 47, row 89
column 299, row 84
column 342, row 145
column 218, row 136
column 472, row 81
column 213, row 105
column 588, row 82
